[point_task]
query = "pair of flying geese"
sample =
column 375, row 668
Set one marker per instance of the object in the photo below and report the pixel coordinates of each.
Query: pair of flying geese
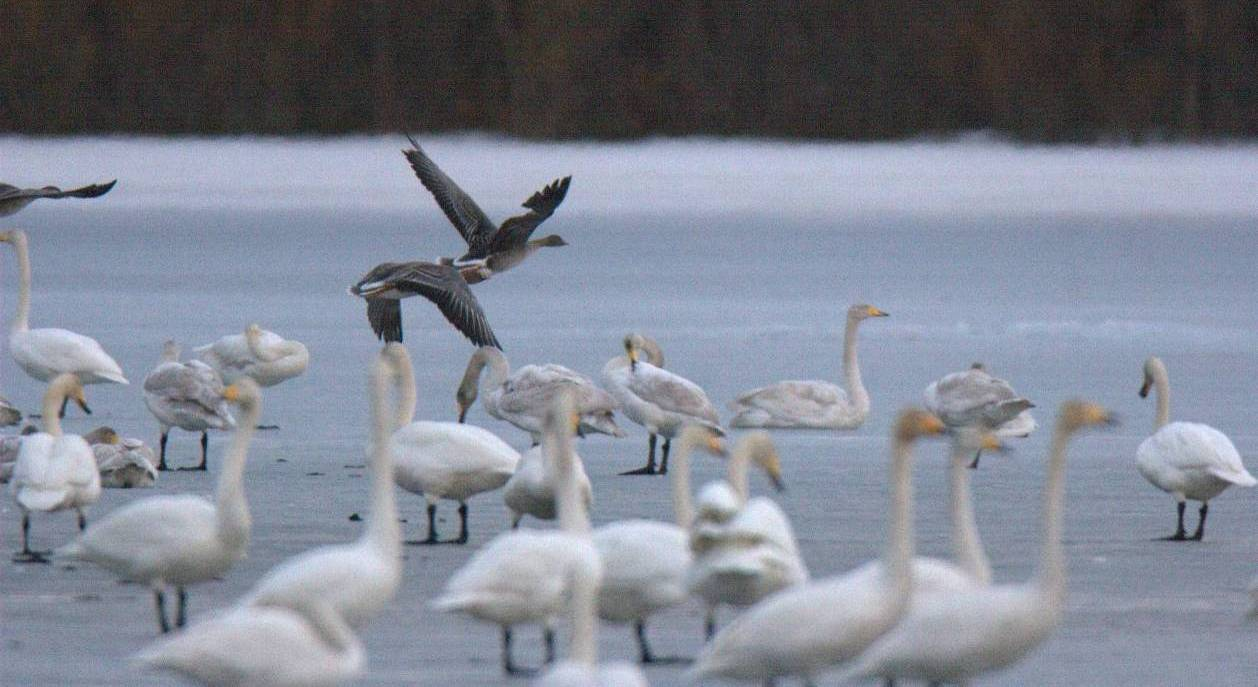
column 491, row 249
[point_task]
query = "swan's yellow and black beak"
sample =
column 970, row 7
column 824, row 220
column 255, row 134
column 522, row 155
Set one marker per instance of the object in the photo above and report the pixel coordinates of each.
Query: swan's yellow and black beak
column 231, row 393
column 875, row 312
column 462, row 411
column 81, row 402
column 1144, row 388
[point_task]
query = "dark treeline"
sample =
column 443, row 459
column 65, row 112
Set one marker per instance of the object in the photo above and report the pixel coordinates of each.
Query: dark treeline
column 1030, row 69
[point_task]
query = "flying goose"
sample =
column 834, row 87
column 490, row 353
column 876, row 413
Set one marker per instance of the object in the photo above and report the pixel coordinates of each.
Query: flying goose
column 13, row 199
column 387, row 283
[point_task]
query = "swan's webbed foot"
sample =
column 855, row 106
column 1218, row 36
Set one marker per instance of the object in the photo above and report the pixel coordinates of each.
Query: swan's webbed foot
column 648, row 469
column 463, row 535
column 974, row 463
column 1180, row 533
column 29, row 556
column 159, row 599
column 432, row 529
column 266, row 428
column 508, row 666
column 644, row 650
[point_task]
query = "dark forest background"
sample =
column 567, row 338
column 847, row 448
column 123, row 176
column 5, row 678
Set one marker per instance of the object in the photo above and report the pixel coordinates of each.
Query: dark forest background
column 1028, row 69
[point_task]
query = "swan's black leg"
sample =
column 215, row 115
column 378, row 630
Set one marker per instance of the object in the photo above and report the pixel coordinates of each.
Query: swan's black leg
column 515, row 521
column 160, row 599
column 432, row 527
column 161, row 453
column 181, row 610
column 889, row 682
column 649, row 468
column 644, row 649
column 82, row 520
column 974, row 463
column 709, row 625
column 1201, row 524
column 462, row 524
column 548, row 634
column 205, row 448
column 1180, row 534
column 664, row 458
column 26, row 555
column 507, row 665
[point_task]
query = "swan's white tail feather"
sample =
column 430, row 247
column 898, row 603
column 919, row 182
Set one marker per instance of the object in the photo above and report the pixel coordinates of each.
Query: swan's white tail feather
column 1240, row 479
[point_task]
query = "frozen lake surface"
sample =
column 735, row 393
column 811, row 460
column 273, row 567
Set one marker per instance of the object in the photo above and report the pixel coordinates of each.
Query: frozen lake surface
column 1062, row 269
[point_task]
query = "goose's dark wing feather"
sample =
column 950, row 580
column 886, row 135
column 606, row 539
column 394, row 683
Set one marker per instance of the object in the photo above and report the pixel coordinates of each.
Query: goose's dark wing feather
column 439, row 283
column 8, row 192
column 515, row 232
column 473, row 225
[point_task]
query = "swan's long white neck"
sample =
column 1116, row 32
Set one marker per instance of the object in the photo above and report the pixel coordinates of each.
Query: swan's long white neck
column 383, row 532
column 557, row 447
column 966, row 545
column 1162, row 387
column 851, row 369
column 404, row 387
column 679, row 476
column 898, row 556
column 584, row 643
column 21, row 319
column 736, row 472
column 231, row 508
column 57, row 392
column 333, row 631
column 1051, row 576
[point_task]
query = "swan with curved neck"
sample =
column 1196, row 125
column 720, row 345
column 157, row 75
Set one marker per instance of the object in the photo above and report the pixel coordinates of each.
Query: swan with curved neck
column 842, row 614
column 645, row 562
column 188, row 396
column 47, row 352
column 1188, row 460
column 957, row 635
column 521, row 398
column 744, row 548
column 356, row 580
column 54, row 471
column 177, row 541
column 442, row 460
column 263, row 356
column 525, row 576
column 659, row 400
column 812, row 404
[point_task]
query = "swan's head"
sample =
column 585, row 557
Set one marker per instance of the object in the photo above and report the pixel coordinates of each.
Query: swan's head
column 562, row 418
column 102, row 435
column 1075, row 415
column 702, row 437
column 1153, row 368
column 764, row 455
column 972, row 439
column 864, row 312
column 633, row 344
column 978, row 366
column 15, row 236
column 915, row 423
column 71, row 386
column 244, row 392
column 552, row 241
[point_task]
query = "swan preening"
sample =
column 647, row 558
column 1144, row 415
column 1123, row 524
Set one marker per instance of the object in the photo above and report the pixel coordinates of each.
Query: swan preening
column 806, row 629
column 655, row 398
column 176, row 541
column 442, row 460
column 1188, row 460
column 188, row 396
column 13, row 199
column 956, row 635
column 812, row 404
column 523, row 397
column 47, row 352
column 123, row 462
column 54, row 471
column 355, row 580
column 645, row 562
column 975, row 397
column 526, row 576
column 263, row 356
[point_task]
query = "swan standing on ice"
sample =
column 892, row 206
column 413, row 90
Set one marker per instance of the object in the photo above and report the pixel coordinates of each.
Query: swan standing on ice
column 263, row 356
column 442, row 460
column 14, row 199
column 523, row 397
column 123, row 462
column 54, row 471
column 262, row 647
column 177, row 541
column 1188, row 460
column 355, row 580
column 957, row 635
column 526, row 576
column 188, row 396
column 812, row 404
column 744, row 549
column 645, row 561
column 531, row 489
column 657, row 399
column 976, row 397
column 47, row 352
column 809, row 628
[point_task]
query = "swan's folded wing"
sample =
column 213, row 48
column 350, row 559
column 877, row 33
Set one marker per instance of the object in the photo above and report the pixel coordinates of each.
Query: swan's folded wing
column 794, row 398
column 463, row 212
column 515, row 231
column 671, row 393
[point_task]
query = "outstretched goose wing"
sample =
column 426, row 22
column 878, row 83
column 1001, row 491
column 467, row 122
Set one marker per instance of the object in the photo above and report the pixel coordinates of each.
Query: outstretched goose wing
column 439, row 283
column 516, row 230
column 463, row 212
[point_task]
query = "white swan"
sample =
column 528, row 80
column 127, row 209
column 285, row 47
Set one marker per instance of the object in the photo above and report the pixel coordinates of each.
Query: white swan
column 744, row 549
column 263, row 356
column 1188, row 460
column 522, row 397
column 45, row 353
column 531, row 488
column 976, row 397
column 526, row 576
column 180, row 540
column 645, row 561
column 262, row 647
column 188, row 396
column 123, row 463
column 656, row 399
column 957, row 635
column 812, row 404
column 807, row 628
column 358, row 579
column 443, row 460
column 54, row 471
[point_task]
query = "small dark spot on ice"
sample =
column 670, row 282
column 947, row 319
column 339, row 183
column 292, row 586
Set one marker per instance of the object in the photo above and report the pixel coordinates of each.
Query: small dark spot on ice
column 355, row 517
column 87, row 597
column 353, row 467
column 314, row 474
column 281, row 460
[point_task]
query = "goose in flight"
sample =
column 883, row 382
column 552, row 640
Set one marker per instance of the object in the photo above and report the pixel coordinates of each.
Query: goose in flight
column 13, row 199
column 490, row 249
column 440, row 282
